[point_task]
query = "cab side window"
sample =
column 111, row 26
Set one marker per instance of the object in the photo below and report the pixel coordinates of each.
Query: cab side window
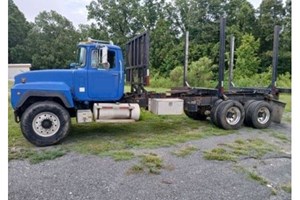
column 81, row 56
column 111, row 58
column 96, row 58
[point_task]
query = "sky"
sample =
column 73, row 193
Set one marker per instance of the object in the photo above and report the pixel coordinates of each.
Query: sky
column 73, row 10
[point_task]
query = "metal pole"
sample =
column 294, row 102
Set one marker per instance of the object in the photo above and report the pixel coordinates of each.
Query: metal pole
column 275, row 58
column 231, row 61
column 186, row 54
column 146, row 58
column 222, row 57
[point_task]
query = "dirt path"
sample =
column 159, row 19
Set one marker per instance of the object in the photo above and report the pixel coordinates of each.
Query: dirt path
column 76, row 176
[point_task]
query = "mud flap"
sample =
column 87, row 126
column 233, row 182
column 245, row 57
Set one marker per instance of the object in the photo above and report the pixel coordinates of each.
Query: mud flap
column 278, row 108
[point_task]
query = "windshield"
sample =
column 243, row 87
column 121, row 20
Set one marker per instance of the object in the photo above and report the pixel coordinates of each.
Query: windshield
column 81, row 56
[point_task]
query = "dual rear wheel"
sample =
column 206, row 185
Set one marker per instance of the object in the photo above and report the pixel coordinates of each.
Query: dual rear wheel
column 231, row 114
column 228, row 114
column 259, row 114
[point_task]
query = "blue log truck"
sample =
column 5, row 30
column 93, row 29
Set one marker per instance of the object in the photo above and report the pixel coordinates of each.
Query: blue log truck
column 44, row 101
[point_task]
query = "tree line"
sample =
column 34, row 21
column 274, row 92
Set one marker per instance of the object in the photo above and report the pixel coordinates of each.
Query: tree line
column 50, row 42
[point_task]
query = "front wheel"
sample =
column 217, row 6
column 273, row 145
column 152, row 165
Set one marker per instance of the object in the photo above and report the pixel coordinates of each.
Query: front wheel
column 45, row 123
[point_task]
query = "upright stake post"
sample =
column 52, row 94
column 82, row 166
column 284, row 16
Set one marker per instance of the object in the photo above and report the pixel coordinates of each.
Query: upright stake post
column 222, row 58
column 231, row 61
column 275, row 58
column 186, row 54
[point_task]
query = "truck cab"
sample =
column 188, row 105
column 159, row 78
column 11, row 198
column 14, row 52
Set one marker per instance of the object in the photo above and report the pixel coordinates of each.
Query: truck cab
column 45, row 100
column 99, row 75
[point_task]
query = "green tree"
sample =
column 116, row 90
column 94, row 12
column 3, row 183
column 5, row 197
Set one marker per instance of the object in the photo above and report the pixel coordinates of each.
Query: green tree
column 240, row 19
column 52, row 41
column 285, row 44
column 18, row 29
column 92, row 31
column 247, row 57
column 176, row 75
column 120, row 19
column 271, row 13
column 164, row 47
column 200, row 73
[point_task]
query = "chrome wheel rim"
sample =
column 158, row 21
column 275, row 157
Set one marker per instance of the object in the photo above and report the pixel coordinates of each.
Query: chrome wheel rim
column 46, row 124
column 263, row 115
column 233, row 115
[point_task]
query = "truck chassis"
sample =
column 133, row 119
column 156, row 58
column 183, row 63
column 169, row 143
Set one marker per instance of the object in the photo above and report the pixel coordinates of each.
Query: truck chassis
column 45, row 115
column 256, row 107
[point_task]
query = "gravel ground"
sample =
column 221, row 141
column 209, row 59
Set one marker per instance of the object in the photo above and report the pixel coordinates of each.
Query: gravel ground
column 76, row 176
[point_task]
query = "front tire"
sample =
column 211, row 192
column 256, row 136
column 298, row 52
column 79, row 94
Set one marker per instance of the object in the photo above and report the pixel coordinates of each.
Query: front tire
column 45, row 123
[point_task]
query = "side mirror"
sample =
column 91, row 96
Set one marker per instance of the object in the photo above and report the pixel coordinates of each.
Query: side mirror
column 104, row 57
column 104, row 51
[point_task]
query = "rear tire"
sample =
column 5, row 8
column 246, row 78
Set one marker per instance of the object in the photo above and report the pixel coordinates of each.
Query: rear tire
column 214, row 110
column 247, row 121
column 259, row 114
column 230, row 115
column 45, row 123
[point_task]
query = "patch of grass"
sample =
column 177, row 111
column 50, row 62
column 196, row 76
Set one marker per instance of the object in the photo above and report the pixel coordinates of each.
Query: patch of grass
column 287, row 188
column 277, row 134
column 273, row 192
column 119, row 155
column 255, row 148
column 252, row 175
column 150, row 163
column 151, row 131
column 219, row 154
column 185, row 151
column 287, row 117
column 135, row 169
column 18, row 153
column 280, row 136
column 36, row 156
column 41, row 156
column 286, row 98
column 252, row 147
column 256, row 177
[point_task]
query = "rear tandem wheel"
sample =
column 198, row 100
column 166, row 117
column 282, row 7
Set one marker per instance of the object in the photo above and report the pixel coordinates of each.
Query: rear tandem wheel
column 230, row 115
column 259, row 114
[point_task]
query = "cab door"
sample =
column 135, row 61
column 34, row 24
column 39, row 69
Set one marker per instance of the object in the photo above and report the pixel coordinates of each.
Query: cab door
column 103, row 80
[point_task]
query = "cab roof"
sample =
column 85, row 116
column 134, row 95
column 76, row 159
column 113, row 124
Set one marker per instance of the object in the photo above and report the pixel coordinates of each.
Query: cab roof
column 95, row 43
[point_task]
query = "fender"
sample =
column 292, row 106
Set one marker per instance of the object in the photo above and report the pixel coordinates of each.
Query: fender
column 22, row 91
